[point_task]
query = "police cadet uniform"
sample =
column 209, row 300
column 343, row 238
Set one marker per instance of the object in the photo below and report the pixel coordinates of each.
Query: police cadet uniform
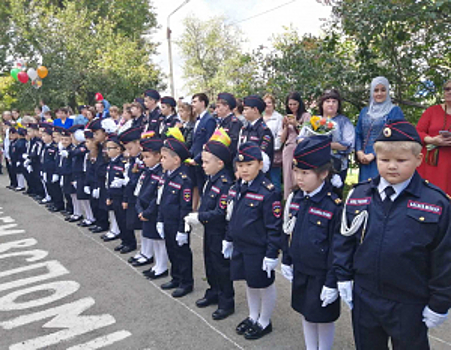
column 155, row 117
column 65, row 173
column 257, row 131
column 176, row 199
column 212, row 214
column 98, row 190
column 231, row 124
column 17, row 156
column 153, row 247
column 133, row 171
column 169, row 121
column 10, row 163
column 311, row 221
column 254, row 232
column 36, row 146
column 398, row 252
column 115, row 187
column 141, row 121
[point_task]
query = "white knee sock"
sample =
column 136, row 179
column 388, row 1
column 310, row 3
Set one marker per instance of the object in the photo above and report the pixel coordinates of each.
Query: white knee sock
column 326, row 333
column 147, row 248
column 253, row 302
column 76, row 205
column 114, row 228
column 44, row 185
column 268, row 297
column 310, row 334
column 20, row 180
column 86, row 206
column 161, row 256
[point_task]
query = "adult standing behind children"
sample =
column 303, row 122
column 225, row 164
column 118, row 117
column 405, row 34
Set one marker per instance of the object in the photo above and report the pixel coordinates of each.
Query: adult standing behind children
column 62, row 118
column 434, row 128
column 370, row 124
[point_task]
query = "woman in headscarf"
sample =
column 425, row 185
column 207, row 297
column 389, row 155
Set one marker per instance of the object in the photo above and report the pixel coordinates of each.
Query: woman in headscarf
column 370, row 124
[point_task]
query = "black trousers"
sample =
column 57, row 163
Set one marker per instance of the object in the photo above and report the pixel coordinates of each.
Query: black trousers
column 181, row 258
column 377, row 319
column 121, row 219
column 101, row 215
column 36, row 182
column 54, row 190
column 217, row 270
column 11, row 174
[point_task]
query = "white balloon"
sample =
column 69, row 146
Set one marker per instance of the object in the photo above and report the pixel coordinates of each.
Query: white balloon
column 32, row 73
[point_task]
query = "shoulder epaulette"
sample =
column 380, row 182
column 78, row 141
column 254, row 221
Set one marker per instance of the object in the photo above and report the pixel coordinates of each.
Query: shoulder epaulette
column 362, row 182
column 224, row 179
column 234, row 119
column 334, row 197
column 183, row 175
column 268, row 185
column 436, row 188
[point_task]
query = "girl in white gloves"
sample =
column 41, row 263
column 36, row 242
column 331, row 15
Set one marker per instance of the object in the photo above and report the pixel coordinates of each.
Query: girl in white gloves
column 311, row 220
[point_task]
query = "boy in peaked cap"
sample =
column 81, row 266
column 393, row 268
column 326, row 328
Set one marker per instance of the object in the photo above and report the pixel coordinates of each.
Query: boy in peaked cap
column 225, row 105
column 395, row 245
column 253, row 239
column 312, row 219
column 176, row 198
column 212, row 215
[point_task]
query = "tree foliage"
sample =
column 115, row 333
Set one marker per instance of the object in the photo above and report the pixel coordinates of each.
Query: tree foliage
column 88, row 46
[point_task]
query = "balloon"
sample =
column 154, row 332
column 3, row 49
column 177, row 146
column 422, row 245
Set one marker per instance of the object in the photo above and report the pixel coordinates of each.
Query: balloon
column 42, row 72
column 23, row 77
column 37, row 83
column 14, row 73
column 99, row 96
column 32, row 73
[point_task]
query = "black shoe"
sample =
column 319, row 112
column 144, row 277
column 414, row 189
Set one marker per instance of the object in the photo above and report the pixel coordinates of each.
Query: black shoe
column 170, row 285
column 85, row 224
column 153, row 276
column 75, row 218
column 204, row 302
column 147, row 272
column 55, row 209
column 9, row 187
column 137, row 263
column 221, row 314
column 109, row 239
column 94, row 228
column 38, row 198
column 118, row 248
column 244, row 326
column 19, row 189
column 99, row 229
column 127, row 249
column 131, row 260
column 257, row 331
column 181, row 292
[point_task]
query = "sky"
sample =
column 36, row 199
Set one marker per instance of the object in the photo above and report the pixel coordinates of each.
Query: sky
column 304, row 15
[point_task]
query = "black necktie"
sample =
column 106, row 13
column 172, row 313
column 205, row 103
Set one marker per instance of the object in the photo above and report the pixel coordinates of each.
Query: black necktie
column 243, row 188
column 389, row 191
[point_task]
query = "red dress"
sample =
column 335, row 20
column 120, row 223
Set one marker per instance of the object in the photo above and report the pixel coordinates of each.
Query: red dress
column 430, row 123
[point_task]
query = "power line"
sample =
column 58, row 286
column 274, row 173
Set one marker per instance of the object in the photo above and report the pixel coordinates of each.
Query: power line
column 263, row 13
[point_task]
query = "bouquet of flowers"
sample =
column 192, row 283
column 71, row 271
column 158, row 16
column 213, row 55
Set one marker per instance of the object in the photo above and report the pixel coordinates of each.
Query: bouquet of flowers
column 318, row 126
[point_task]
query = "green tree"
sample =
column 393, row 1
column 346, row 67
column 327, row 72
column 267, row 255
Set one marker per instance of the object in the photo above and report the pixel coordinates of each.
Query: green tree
column 212, row 56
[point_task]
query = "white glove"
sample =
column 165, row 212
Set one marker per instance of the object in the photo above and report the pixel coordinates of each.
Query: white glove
column 345, row 290
column 227, row 249
column 181, row 238
column 55, row 178
column 118, row 183
column 44, row 176
column 160, row 229
column 74, row 183
column 25, row 156
column 287, row 272
column 62, row 181
column 64, row 153
column 27, row 162
column 269, row 265
column 328, row 295
column 29, row 168
column 17, row 164
column 87, row 190
column 41, row 173
column 192, row 219
column 433, row 319
column 96, row 193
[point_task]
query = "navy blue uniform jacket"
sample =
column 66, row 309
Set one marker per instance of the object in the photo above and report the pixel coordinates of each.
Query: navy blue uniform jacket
column 402, row 256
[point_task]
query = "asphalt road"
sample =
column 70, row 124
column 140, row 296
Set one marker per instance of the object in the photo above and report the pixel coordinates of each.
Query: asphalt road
column 52, row 268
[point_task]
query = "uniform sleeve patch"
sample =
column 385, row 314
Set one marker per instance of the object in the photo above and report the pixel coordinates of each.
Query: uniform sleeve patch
column 277, row 209
column 430, row 208
column 320, row 212
column 223, row 201
column 267, row 138
column 359, row 201
column 187, row 195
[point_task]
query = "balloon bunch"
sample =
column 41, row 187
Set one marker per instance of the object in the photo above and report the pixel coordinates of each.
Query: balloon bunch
column 23, row 74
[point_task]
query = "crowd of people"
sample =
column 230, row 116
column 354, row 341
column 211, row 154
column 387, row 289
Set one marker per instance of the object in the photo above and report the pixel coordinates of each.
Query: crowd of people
column 260, row 184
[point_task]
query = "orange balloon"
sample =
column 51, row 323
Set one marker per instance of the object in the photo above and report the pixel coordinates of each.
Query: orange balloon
column 42, row 72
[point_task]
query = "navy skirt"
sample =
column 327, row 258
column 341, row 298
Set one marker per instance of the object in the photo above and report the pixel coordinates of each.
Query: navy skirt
column 81, row 183
column 149, row 229
column 68, row 188
column 133, row 222
column 305, row 299
column 248, row 267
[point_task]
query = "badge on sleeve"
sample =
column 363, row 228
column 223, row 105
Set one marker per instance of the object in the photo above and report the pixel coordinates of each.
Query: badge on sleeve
column 277, row 209
column 187, row 195
column 223, row 201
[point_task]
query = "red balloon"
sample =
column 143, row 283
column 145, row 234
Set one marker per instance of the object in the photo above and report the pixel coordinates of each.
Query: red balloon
column 23, row 77
column 99, row 96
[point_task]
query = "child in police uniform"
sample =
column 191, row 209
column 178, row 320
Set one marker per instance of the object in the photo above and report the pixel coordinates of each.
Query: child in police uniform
column 253, row 239
column 395, row 245
column 216, row 156
column 153, row 247
column 175, row 200
column 311, row 220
